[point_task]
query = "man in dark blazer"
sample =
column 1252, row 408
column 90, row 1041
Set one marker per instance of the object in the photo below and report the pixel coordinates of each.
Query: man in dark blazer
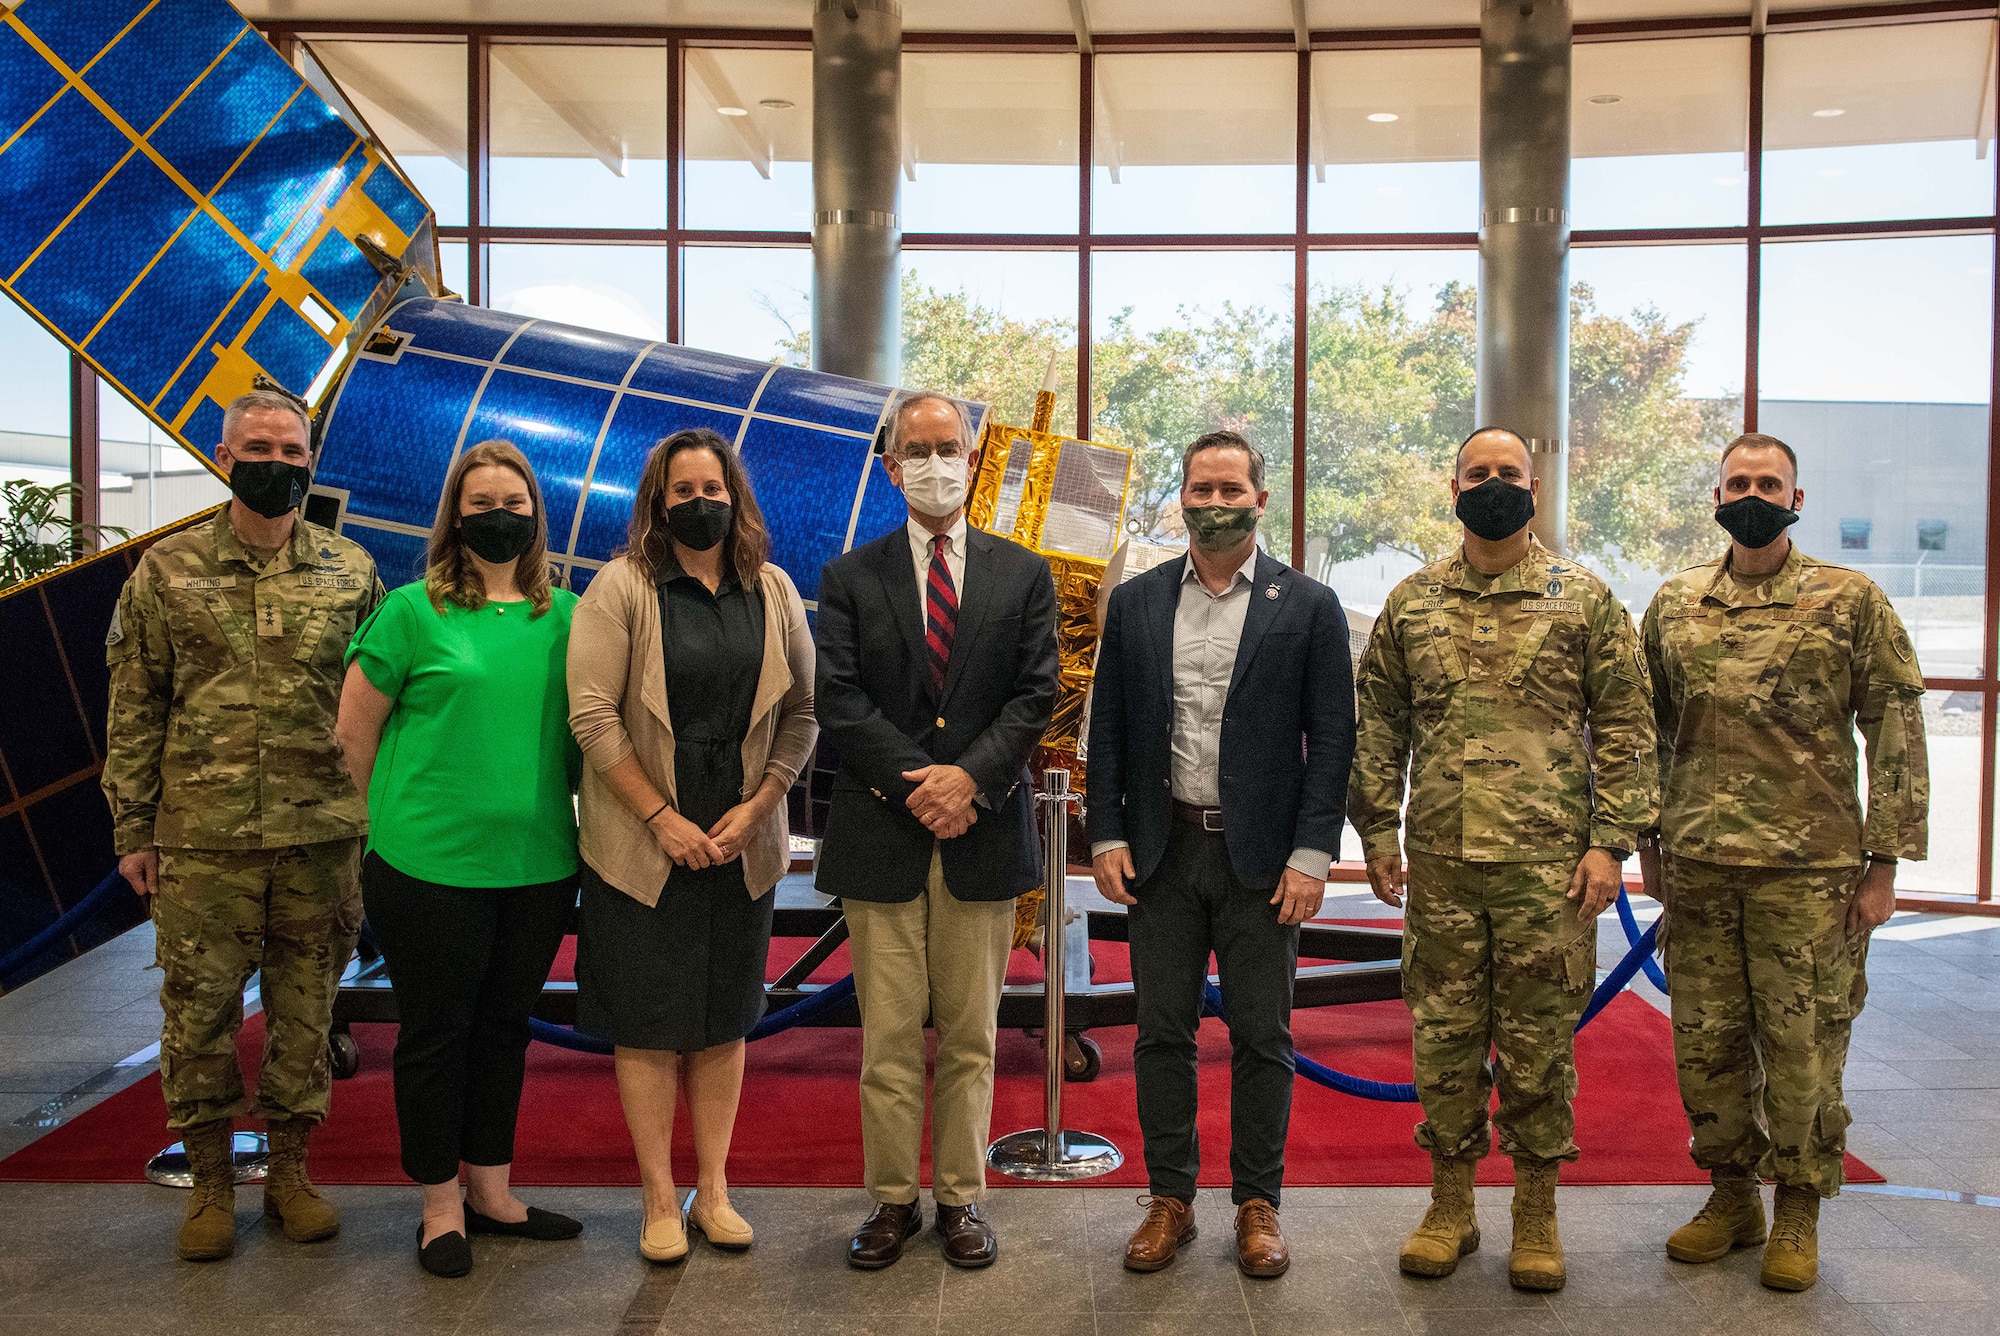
column 937, row 675
column 1221, row 729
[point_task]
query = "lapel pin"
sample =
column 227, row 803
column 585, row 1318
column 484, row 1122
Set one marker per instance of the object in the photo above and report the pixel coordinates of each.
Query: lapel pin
column 1270, row 591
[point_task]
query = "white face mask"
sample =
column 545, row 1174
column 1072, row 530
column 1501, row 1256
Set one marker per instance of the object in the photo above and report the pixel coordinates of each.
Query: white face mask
column 934, row 486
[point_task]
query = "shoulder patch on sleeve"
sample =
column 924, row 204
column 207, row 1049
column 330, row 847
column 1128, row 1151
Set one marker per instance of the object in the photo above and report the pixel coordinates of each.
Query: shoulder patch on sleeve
column 1901, row 643
column 116, row 634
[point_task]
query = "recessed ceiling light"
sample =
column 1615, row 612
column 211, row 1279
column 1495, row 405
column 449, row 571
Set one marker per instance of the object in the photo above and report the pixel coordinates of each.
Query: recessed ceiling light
column 1383, row 117
column 1828, row 113
column 732, row 111
column 775, row 104
column 1605, row 99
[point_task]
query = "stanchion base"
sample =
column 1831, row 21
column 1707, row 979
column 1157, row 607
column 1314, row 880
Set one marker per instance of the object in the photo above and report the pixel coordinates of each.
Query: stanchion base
column 1025, row 1155
column 170, row 1167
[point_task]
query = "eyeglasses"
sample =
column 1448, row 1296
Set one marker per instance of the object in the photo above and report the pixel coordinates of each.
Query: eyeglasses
column 918, row 450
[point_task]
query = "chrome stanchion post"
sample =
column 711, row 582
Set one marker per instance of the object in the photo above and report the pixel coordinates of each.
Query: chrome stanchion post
column 1049, row 1152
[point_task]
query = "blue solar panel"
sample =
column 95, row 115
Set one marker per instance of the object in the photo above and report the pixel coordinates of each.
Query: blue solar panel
column 47, row 172
column 831, row 401
column 170, row 311
column 26, row 81
column 89, row 264
column 76, row 30
column 399, row 557
column 154, row 157
column 162, row 57
column 237, row 101
column 462, row 374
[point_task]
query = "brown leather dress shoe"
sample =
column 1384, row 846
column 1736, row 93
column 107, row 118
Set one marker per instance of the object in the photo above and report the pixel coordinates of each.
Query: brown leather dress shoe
column 879, row 1241
column 1260, row 1244
column 1169, row 1223
column 968, row 1240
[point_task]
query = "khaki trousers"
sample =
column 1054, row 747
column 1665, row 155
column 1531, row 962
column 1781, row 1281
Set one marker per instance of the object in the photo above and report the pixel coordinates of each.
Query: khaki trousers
column 947, row 959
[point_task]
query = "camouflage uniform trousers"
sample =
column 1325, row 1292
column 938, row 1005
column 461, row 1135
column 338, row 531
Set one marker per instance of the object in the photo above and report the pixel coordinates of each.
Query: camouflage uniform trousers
column 1765, row 986
column 1495, row 960
column 222, row 915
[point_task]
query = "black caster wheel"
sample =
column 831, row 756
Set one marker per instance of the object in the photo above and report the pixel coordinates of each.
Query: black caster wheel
column 1082, row 1058
column 343, row 1054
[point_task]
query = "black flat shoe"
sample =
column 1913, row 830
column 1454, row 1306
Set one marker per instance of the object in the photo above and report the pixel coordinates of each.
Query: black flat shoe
column 544, row 1226
column 447, row 1255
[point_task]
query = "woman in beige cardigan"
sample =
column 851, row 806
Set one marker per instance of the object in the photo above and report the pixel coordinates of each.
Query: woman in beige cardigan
column 691, row 695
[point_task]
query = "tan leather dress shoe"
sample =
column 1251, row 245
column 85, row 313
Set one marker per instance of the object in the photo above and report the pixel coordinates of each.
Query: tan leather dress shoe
column 664, row 1239
column 1169, row 1223
column 1260, row 1244
column 720, row 1224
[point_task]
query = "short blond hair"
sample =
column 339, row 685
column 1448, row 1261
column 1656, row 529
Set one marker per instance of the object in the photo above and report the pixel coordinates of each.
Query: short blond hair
column 263, row 400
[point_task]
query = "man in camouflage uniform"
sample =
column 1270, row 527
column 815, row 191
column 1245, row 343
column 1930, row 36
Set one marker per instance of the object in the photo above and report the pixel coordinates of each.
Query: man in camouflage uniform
column 1480, row 679
column 233, row 810
column 1765, row 662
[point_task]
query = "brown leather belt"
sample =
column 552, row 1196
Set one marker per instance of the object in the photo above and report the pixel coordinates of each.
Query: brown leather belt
column 1208, row 819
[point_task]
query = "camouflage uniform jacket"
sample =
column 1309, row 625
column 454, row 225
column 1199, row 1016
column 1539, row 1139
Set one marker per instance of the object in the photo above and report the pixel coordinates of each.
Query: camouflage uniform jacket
column 1759, row 691
column 1481, row 688
column 224, row 684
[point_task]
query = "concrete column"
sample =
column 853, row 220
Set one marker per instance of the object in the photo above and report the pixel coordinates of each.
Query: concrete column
column 857, row 188
column 1524, row 100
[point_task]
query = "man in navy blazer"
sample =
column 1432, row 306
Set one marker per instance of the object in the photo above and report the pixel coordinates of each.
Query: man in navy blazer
column 1221, row 729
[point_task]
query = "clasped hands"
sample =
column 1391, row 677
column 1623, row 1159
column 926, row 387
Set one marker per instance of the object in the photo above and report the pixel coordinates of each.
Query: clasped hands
column 692, row 847
column 943, row 799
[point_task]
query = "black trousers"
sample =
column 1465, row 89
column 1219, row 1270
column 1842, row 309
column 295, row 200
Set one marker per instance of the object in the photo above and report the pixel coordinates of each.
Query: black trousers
column 1192, row 905
column 467, row 964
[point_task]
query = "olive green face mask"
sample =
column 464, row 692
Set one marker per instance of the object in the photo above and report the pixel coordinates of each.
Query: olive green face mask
column 1219, row 528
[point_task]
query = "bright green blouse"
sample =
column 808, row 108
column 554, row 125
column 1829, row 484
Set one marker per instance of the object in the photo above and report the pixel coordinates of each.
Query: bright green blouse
column 474, row 777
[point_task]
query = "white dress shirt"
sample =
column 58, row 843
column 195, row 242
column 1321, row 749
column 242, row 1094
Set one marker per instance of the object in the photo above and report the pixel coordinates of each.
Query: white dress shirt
column 954, row 558
column 1208, row 628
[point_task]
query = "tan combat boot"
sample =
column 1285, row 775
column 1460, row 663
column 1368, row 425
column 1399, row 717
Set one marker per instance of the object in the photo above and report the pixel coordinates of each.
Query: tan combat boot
column 1791, row 1258
column 1536, row 1263
column 1449, row 1230
column 289, row 1196
column 209, row 1232
column 1732, row 1217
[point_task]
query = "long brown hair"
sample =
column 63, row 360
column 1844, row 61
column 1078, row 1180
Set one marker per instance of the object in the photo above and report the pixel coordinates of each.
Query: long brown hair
column 650, row 546
column 449, row 575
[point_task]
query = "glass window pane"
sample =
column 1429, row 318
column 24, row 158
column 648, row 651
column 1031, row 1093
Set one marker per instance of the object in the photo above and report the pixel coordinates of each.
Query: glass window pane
column 1887, row 122
column 1183, row 344
column 989, row 143
column 34, row 402
column 412, row 94
column 1656, row 391
column 981, row 325
column 1389, row 380
column 752, row 301
column 1194, row 143
column 1891, row 429
column 748, row 138
column 1395, row 141
column 1951, row 736
column 618, row 289
column 579, row 135
column 454, row 259
column 1658, row 132
column 148, row 480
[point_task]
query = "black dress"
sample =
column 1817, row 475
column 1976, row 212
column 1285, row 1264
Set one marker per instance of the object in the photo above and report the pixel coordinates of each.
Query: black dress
column 688, row 973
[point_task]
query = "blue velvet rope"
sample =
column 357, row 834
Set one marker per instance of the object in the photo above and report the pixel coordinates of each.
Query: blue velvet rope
column 801, row 1011
column 61, row 928
column 1403, row 1092
column 1654, row 974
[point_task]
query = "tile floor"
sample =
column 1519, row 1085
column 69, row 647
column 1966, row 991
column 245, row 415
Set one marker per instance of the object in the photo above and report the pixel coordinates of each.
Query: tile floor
column 1924, row 1083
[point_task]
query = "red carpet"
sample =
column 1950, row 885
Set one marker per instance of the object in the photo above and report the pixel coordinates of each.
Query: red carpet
column 800, row 1121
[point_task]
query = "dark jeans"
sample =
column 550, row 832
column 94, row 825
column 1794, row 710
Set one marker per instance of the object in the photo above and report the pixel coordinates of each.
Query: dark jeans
column 467, row 965
column 1193, row 904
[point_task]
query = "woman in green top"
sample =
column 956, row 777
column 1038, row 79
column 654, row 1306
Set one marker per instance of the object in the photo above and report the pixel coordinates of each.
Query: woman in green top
column 454, row 720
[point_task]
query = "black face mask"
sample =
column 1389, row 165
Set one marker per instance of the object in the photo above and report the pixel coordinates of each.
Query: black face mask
column 1495, row 509
column 499, row 535
column 699, row 522
column 1753, row 521
column 269, row 486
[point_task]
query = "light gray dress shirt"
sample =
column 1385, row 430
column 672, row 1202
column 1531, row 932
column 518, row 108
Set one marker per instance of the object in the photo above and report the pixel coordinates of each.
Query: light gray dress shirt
column 954, row 558
column 1208, row 628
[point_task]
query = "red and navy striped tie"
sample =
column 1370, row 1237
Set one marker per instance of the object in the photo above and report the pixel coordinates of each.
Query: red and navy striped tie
column 940, row 613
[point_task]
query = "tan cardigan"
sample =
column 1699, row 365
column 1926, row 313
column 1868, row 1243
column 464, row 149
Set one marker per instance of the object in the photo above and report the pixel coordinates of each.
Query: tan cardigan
column 618, row 708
